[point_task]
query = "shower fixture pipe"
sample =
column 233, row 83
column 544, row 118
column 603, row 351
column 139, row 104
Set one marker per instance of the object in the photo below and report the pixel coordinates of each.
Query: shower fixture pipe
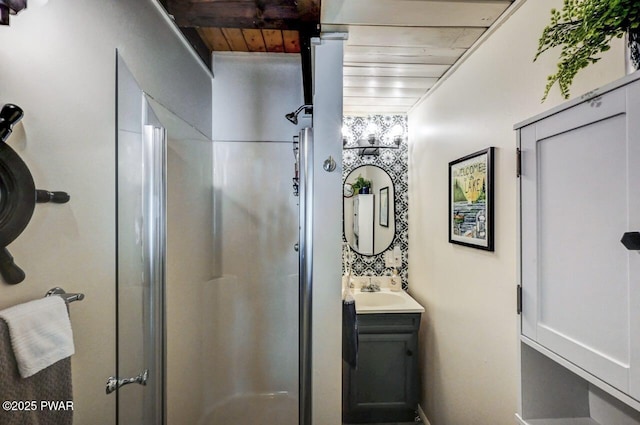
column 293, row 116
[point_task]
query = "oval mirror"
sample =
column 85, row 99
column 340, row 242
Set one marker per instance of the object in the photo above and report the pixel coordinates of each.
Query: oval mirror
column 369, row 213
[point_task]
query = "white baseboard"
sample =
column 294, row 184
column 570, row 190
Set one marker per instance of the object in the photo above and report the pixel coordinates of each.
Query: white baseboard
column 423, row 416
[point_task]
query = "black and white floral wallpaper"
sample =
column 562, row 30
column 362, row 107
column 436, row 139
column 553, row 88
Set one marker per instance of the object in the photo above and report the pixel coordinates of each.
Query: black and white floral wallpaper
column 393, row 161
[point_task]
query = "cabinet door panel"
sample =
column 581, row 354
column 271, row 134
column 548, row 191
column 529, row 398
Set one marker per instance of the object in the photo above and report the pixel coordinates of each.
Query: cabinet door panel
column 575, row 209
column 633, row 102
column 383, row 365
column 384, row 388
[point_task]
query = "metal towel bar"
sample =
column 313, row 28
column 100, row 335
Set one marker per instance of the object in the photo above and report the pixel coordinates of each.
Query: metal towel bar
column 68, row 298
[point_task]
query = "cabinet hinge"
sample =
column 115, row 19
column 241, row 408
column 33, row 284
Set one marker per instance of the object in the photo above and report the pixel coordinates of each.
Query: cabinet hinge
column 519, row 299
column 518, row 162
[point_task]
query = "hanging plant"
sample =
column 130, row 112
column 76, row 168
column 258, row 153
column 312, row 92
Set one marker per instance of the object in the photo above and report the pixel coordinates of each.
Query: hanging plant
column 584, row 29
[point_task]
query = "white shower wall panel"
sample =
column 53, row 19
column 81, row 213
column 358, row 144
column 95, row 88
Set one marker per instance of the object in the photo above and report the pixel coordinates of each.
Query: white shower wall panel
column 189, row 270
column 252, row 93
column 250, row 323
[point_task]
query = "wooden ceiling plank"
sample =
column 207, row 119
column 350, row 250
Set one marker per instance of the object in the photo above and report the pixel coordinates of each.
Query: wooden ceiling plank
column 235, row 39
column 254, row 40
column 380, row 108
column 273, row 40
column 412, row 37
column 273, row 14
column 403, row 51
column 405, row 60
column 390, row 82
column 413, row 13
column 382, row 92
column 215, row 39
column 393, row 70
column 291, row 41
column 389, row 101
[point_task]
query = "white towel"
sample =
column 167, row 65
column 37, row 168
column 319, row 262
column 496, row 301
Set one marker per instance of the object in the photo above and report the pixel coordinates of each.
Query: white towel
column 40, row 333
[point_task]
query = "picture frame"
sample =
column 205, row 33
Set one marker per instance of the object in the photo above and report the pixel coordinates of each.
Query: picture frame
column 384, row 206
column 471, row 200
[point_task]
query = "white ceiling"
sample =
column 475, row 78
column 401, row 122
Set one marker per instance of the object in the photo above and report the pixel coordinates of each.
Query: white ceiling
column 398, row 49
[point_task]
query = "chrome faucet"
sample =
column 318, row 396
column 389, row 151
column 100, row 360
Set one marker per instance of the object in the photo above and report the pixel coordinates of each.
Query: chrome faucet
column 371, row 287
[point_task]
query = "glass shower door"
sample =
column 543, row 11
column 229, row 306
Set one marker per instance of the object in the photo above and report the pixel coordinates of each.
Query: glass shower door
column 140, row 294
column 165, row 263
column 141, row 149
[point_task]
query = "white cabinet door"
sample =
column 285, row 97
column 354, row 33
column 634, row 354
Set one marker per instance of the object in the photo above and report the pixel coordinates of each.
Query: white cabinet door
column 363, row 222
column 633, row 129
column 579, row 192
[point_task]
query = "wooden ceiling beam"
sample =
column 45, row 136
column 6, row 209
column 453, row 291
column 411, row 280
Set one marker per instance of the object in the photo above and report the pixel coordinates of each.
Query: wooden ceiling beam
column 309, row 11
column 244, row 14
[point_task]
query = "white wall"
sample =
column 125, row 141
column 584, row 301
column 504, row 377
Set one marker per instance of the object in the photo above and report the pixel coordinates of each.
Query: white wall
column 327, row 230
column 468, row 333
column 58, row 64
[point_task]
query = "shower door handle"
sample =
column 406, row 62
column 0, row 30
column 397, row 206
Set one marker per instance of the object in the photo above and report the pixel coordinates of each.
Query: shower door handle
column 113, row 383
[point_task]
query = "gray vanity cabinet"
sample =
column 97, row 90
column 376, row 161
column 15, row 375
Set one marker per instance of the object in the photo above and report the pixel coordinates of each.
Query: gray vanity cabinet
column 385, row 385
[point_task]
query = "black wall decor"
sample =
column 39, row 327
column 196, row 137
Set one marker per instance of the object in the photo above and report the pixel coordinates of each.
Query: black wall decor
column 18, row 195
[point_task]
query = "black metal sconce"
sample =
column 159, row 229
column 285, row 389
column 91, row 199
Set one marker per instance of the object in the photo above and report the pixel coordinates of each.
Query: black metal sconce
column 371, row 145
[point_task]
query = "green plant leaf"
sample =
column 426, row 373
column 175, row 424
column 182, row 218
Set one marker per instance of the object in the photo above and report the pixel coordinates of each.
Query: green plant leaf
column 584, row 29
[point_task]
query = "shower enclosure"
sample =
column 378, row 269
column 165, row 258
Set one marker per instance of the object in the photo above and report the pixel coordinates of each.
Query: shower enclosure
column 165, row 257
column 258, row 329
column 214, row 302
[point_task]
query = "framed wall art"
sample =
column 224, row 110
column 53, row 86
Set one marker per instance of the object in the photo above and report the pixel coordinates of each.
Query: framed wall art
column 384, row 207
column 471, row 200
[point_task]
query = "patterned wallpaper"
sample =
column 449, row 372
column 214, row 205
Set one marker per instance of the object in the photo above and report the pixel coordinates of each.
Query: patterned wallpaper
column 393, row 161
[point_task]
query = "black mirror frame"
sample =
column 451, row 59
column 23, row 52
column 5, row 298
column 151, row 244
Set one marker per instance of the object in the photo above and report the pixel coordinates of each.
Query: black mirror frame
column 395, row 227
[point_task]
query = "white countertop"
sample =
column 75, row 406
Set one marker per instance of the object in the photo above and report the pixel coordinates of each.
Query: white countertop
column 385, row 301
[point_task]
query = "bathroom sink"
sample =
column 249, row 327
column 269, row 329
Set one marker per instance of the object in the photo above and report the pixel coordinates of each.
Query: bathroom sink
column 385, row 301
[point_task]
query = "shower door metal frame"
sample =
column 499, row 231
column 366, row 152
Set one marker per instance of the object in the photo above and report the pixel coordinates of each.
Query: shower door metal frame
column 305, row 253
column 155, row 231
column 153, row 245
column 140, row 255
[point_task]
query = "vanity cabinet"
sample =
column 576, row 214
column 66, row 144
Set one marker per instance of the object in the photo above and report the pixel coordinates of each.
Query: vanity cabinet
column 580, row 285
column 385, row 385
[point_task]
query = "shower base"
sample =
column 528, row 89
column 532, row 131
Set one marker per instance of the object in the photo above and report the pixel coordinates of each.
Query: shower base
column 279, row 408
